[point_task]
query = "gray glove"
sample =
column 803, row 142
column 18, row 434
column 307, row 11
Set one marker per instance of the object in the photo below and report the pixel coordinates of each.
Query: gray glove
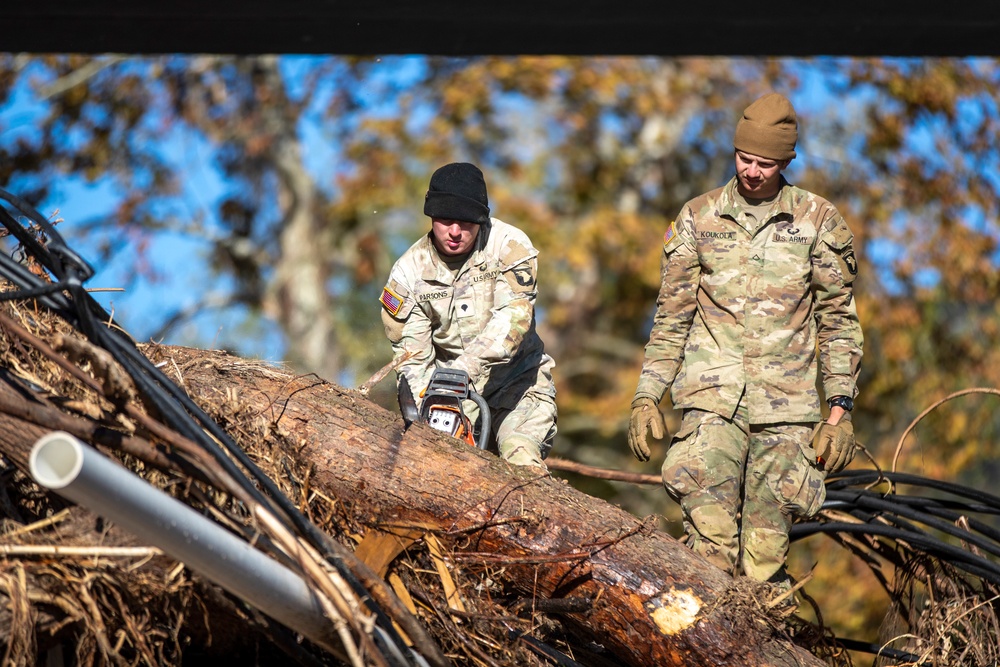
column 646, row 416
column 834, row 444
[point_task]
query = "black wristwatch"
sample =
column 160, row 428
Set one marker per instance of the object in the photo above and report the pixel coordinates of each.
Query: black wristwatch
column 842, row 401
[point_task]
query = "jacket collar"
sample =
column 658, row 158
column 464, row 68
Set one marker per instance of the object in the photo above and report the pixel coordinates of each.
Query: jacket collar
column 728, row 205
column 435, row 269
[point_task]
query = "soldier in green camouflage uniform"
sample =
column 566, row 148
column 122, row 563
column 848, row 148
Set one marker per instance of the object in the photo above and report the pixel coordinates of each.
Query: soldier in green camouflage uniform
column 756, row 276
column 463, row 297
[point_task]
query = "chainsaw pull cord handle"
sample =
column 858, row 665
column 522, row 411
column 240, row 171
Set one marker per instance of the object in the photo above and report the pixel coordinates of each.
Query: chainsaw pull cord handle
column 485, row 424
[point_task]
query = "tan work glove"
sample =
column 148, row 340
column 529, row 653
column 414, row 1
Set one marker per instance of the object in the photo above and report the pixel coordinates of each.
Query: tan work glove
column 645, row 416
column 834, row 444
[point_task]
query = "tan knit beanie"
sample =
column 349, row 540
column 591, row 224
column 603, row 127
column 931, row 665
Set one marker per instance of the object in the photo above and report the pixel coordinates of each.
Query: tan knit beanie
column 768, row 128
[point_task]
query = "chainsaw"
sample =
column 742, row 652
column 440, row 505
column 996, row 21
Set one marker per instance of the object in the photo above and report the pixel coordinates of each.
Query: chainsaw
column 441, row 408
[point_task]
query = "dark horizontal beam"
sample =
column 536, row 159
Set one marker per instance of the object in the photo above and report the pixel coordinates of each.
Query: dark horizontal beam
column 507, row 27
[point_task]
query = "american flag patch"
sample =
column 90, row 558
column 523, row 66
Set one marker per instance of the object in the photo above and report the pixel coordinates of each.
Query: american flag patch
column 669, row 234
column 392, row 301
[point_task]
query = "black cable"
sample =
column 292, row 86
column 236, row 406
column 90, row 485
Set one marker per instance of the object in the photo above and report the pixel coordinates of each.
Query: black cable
column 21, row 276
column 842, row 495
column 881, row 651
column 28, row 240
column 856, row 477
column 900, row 509
column 56, row 255
column 960, row 558
column 952, row 510
column 975, row 524
column 957, row 506
column 33, row 293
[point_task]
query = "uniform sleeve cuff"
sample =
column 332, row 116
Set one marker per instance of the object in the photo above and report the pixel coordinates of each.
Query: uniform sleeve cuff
column 641, row 393
column 840, row 389
column 473, row 369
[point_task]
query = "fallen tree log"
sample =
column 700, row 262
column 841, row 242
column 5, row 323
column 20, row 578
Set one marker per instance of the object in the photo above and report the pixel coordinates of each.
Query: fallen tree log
column 651, row 600
column 631, row 592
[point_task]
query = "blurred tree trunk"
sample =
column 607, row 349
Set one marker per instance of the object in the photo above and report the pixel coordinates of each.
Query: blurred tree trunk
column 297, row 297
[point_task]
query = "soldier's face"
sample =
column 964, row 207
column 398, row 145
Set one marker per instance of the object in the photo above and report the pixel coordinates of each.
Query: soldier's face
column 453, row 237
column 759, row 177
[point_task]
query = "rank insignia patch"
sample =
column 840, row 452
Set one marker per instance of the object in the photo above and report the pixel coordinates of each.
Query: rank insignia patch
column 392, row 301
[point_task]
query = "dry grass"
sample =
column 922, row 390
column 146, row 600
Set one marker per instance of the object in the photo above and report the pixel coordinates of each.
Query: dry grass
column 943, row 617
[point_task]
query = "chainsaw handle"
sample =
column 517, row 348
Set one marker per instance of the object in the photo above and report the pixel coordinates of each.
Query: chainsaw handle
column 485, row 424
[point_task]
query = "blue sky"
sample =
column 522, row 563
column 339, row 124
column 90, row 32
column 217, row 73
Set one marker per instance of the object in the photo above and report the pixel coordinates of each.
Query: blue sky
column 175, row 277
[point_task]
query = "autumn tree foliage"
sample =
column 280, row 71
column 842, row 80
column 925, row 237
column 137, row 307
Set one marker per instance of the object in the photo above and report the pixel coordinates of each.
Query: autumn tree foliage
column 322, row 164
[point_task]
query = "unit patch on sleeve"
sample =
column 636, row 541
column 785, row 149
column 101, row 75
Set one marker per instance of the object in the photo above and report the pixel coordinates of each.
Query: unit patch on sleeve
column 392, row 301
column 522, row 277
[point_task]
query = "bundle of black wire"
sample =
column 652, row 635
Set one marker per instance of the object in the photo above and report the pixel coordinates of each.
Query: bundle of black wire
column 904, row 517
column 904, row 512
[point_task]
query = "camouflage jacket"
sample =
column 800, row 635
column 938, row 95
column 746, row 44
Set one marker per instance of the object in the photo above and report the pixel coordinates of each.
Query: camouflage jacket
column 480, row 319
column 744, row 307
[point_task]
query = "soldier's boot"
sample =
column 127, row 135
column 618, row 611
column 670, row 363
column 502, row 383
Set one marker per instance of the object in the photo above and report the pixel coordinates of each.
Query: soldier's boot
column 783, row 598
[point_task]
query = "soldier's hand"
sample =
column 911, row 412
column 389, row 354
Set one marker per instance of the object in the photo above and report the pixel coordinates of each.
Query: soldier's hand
column 646, row 416
column 834, row 444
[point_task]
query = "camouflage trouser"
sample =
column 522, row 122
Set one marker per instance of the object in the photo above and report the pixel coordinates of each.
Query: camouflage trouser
column 739, row 487
column 523, row 415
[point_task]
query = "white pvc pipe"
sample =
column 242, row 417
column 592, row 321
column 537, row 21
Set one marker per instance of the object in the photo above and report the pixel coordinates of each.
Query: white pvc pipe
column 80, row 473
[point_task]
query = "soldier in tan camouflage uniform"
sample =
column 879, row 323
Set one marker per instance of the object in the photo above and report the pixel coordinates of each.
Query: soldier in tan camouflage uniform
column 463, row 297
column 756, row 276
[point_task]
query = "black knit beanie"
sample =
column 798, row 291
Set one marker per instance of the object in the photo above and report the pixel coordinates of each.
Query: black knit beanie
column 458, row 192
